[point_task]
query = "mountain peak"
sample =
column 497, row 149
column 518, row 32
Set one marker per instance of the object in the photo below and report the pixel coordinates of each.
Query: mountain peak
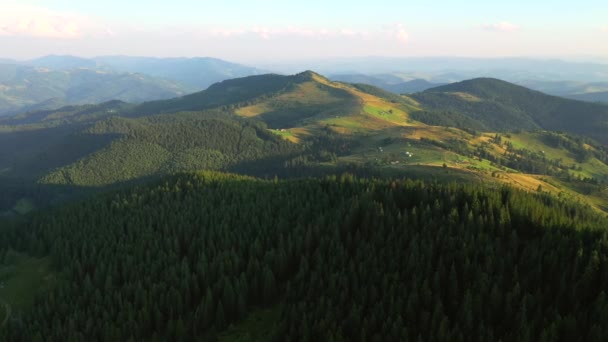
column 474, row 84
column 310, row 75
column 501, row 105
column 486, row 87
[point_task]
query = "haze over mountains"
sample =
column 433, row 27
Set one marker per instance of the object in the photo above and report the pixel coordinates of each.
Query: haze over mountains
column 394, row 83
column 26, row 88
column 53, row 81
column 198, row 73
column 577, row 80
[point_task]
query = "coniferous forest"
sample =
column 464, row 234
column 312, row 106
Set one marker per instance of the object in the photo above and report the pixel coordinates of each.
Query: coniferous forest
column 193, row 256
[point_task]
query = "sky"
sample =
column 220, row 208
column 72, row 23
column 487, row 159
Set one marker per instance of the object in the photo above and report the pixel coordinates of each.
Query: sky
column 283, row 30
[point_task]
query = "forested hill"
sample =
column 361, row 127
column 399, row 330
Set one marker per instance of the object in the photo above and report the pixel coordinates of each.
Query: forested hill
column 118, row 149
column 197, row 257
column 229, row 92
column 233, row 93
column 501, row 106
column 115, row 141
column 279, row 125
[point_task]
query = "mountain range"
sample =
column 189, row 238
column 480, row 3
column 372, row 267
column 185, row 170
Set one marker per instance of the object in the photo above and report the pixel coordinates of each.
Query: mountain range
column 584, row 91
column 454, row 69
column 54, row 81
column 274, row 208
column 26, row 88
column 390, row 82
column 407, row 83
column 273, row 124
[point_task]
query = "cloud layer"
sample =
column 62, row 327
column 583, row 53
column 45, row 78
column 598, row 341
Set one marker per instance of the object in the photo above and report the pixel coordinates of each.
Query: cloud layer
column 30, row 31
column 28, row 21
column 16, row 20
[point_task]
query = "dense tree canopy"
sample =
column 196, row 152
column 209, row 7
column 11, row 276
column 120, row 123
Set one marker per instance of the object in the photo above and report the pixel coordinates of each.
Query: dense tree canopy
column 340, row 258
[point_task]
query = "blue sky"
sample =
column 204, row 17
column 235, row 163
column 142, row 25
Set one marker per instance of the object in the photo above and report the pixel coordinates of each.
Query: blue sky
column 285, row 30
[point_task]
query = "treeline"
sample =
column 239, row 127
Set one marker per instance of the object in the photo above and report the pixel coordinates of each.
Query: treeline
column 489, row 114
column 577, row 145
column 448, row 118
column 529, row 161
column 537, row 162
column 341, row 258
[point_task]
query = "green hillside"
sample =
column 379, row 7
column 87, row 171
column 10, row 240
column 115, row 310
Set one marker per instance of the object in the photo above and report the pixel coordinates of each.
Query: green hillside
column 303, row 108
column 301, row 125
column 195, row 257
column 119, row 149
column 164, row 144
column 225, row 93
column 503, row 106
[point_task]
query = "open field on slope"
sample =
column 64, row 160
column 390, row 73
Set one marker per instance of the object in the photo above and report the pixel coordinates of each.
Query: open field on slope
column 320, row 103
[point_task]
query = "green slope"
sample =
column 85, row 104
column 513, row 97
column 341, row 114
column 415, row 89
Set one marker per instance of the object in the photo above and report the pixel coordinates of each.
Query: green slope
column 286, row 125
column 225, row 93
column 158, row 145
column 503, row 106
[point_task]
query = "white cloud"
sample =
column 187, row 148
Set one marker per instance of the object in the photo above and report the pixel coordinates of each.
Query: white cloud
column 18, row 20
column 401, row 33
column 501, row 27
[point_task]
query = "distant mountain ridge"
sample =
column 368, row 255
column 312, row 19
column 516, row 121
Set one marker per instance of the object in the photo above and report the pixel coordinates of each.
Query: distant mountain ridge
column 599, row 96
column 51, row 82
column 197, row 72
column 388, row 82
column 454, row 69
column 577, row 90
column 26, row 88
